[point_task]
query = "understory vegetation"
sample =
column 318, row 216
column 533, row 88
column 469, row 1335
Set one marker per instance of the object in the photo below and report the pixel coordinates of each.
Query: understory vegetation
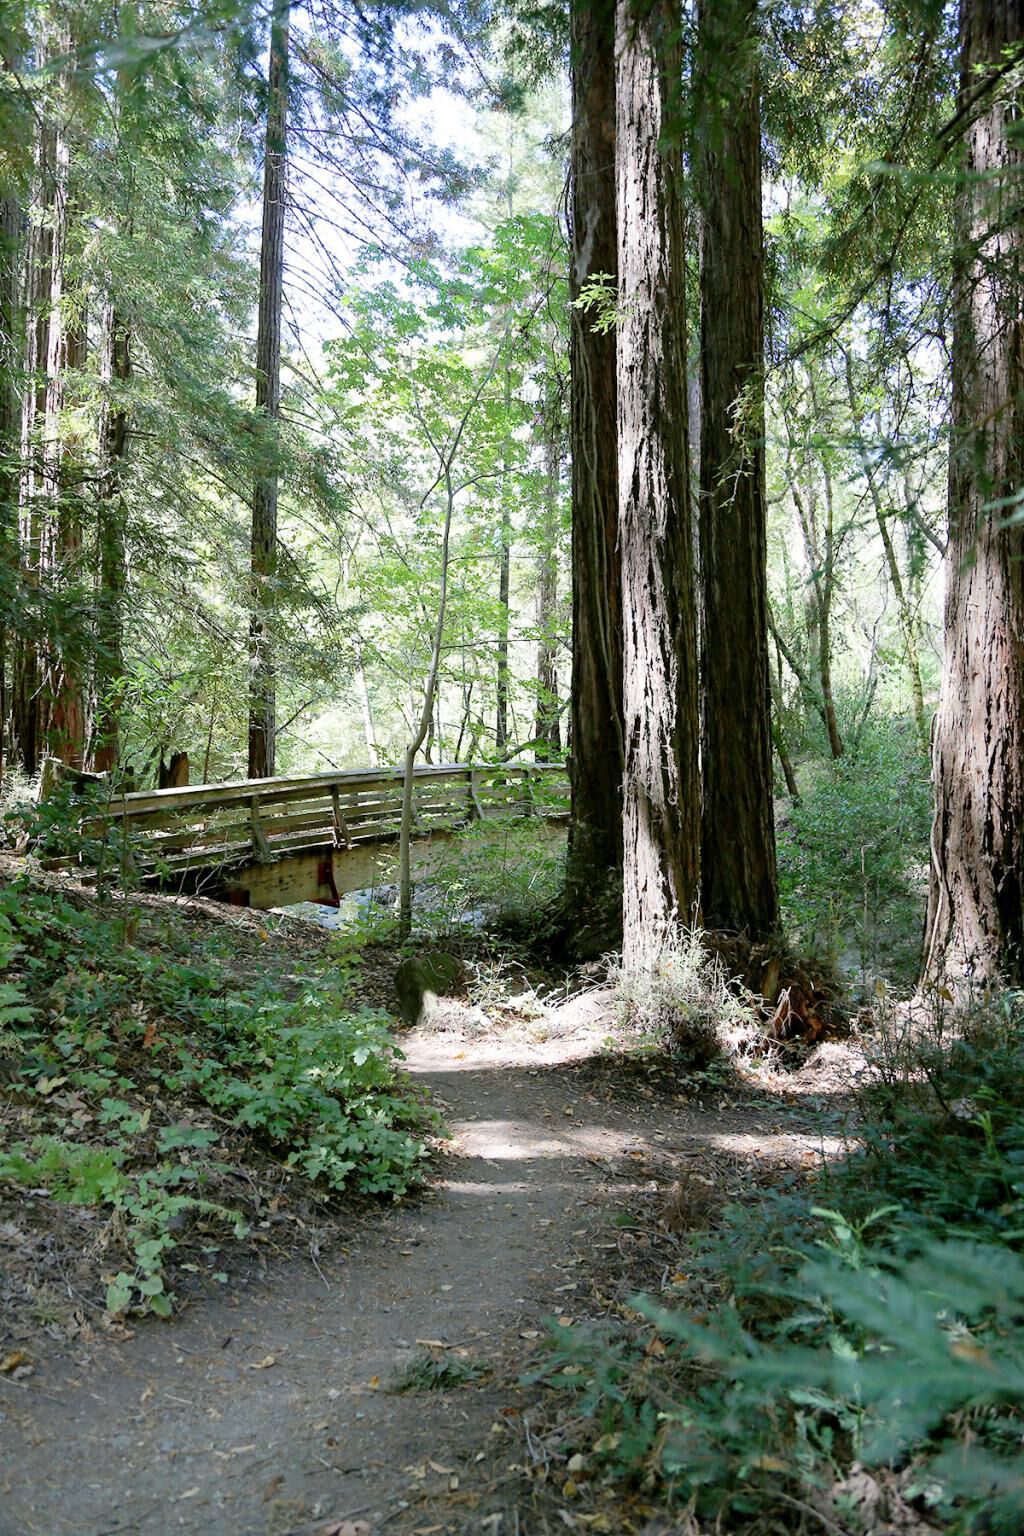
column 846, row 1350
column 164, row 1075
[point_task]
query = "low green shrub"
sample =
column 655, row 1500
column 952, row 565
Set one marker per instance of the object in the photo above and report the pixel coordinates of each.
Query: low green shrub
column 852, row 854
column 943, row 1117
column 685, row 1000
column 511, row 870
column 161, row 1050
column 865, row 1327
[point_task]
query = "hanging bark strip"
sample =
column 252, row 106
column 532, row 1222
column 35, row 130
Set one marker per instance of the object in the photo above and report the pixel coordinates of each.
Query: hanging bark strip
column 597, row 762
column 976, row 899
column 263, row 678
column 661, row 813
column 739, row 889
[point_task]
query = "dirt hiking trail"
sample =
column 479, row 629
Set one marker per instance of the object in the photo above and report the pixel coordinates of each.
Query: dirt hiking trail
column 266, row 1412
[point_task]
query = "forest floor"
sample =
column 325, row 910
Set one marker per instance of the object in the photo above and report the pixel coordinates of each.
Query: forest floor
column 382, row 1381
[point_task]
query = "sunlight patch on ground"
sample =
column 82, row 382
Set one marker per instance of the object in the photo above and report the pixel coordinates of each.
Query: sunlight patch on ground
column 512, row 1140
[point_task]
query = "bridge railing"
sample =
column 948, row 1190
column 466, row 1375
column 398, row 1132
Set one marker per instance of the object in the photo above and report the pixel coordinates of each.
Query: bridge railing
column 262, row 819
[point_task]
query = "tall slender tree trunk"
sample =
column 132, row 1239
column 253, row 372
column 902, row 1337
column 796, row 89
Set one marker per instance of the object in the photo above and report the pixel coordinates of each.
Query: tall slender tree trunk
column 60, row 551
column 976, row 900
column 505, row 556
column 365, row 708
column 10, row 433
column 596, row 730
column 820, row 547
column 27, row 711
column 546, row 730
column 739, row 887
column 908, row 627
column 263, row 563
column 661, row 812
column 504, row 586
column 115, row 373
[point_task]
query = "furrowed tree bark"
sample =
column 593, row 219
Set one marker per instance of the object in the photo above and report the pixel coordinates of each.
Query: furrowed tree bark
column 546, row 724
column 739, row 887
column 596, row 730
column 263, row 559
column 975, row 929
column 115, row 373
column 661, row 811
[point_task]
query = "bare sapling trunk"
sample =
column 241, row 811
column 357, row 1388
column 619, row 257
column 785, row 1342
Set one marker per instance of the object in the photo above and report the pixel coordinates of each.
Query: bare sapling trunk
column 263, row 555
column 661, row 792
column 820, row 546
column 447, row 455
column 904, row 610
column 975, row 930
column 426, row 716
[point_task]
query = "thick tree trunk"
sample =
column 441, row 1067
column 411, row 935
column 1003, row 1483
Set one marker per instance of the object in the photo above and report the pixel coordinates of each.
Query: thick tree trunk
column 976, row 899
column 115, row 371
column 596, row 732
column 263, row 671
column 546, row 729
column 661, row 810
column 739, row 888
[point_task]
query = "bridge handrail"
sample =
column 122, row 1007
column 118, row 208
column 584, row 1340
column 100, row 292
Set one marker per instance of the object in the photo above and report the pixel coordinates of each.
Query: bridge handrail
column 256, row 819
column 135, row 803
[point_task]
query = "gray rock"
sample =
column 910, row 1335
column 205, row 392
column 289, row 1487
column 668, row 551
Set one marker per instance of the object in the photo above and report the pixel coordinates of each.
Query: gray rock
column 421, row 979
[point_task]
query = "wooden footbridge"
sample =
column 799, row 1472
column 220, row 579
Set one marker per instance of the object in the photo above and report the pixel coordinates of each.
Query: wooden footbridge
column 272, row 842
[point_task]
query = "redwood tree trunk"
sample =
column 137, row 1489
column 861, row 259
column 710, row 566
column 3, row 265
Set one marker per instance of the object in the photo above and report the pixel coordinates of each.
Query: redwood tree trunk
column 115, row 372
column 263, row 678
column 739, row 888
column 596, row 767
column 661, row 812
column 976, row 902
column 546, row 731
